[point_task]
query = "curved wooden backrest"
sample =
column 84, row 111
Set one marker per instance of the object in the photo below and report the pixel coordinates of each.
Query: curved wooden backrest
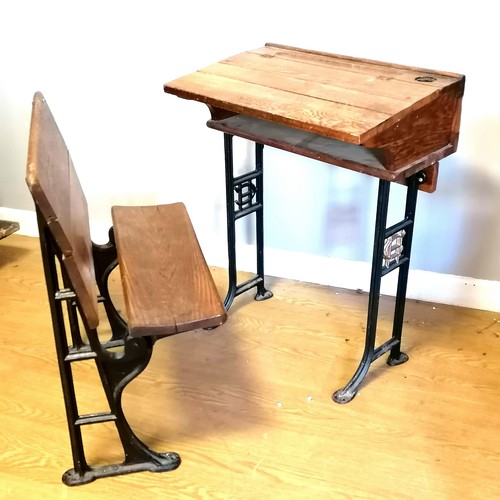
column 54, row 185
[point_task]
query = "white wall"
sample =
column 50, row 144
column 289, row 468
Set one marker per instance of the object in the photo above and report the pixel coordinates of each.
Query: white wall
column 101, row 65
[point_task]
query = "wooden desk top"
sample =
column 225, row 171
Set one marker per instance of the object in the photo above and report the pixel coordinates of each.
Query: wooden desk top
column 408, row 118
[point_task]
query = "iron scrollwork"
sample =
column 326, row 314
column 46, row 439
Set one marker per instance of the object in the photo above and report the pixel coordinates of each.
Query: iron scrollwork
column 245, row 191
column 393, row 248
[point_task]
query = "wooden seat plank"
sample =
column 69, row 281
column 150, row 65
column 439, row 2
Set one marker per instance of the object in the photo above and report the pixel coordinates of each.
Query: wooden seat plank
column 167, row 284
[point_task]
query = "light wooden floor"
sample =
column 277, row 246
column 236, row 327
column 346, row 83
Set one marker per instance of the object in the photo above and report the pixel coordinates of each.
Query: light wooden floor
column 248, row 405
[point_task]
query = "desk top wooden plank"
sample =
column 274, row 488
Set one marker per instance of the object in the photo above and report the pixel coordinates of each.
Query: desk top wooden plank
column 384, row 70
column 279, row 106
column 379, row 88
column 263, row 73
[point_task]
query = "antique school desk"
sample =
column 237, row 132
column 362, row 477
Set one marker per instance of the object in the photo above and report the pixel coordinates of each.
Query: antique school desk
column 386, row 120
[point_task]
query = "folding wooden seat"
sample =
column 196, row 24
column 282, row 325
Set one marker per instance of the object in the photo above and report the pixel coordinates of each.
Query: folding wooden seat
column 167, row 288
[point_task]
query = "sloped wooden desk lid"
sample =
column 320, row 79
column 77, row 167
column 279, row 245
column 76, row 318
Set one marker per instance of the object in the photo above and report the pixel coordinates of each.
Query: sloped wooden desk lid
column 399, row 118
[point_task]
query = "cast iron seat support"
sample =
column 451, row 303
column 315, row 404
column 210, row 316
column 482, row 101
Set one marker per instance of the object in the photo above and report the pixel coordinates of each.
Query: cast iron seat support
column 116, row 369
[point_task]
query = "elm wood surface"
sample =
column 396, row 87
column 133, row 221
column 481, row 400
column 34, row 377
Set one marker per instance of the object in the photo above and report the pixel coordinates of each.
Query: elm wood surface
column 405, row 116
column 167, row 284
column 54, row 185
column 432, row 423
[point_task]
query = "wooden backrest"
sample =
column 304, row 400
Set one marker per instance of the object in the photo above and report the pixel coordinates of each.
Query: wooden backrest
column 56, row 190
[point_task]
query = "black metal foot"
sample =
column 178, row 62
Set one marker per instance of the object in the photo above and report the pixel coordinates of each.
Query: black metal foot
column 402, row 358
column 343, row 396
column 263, row 295
column 163, row 462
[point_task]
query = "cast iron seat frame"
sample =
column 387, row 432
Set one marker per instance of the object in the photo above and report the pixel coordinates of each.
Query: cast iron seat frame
column 116, row 369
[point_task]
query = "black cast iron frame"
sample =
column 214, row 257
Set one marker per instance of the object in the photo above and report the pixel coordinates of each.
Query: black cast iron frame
column 118, row 360
column 245, row 195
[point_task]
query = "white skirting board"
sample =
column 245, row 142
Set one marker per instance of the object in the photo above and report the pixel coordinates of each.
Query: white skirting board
column 422, row 285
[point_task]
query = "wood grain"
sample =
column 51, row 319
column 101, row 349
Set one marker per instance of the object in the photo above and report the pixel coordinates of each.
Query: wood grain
column 327, row 77
column 427, row 429
column 432, row 128
column 329, row 118
column 394, row 70
column 167, row 284
column 56, row 190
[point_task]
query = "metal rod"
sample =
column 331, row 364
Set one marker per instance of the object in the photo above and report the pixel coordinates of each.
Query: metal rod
column 247, row 211
column 397, row 227
column 231, row 230
column 397, row 357
column 248, row 176
column 247, row 285
column 262, row 293
column 395, row 265
column 382, row 349
column 51, row 278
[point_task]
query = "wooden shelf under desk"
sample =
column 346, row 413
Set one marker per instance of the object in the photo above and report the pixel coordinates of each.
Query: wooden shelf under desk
column 401, row 118
column 332, row 151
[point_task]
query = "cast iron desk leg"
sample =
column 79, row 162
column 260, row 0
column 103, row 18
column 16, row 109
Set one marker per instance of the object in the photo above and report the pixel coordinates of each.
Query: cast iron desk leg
column 244, row 196
column 391, row 250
